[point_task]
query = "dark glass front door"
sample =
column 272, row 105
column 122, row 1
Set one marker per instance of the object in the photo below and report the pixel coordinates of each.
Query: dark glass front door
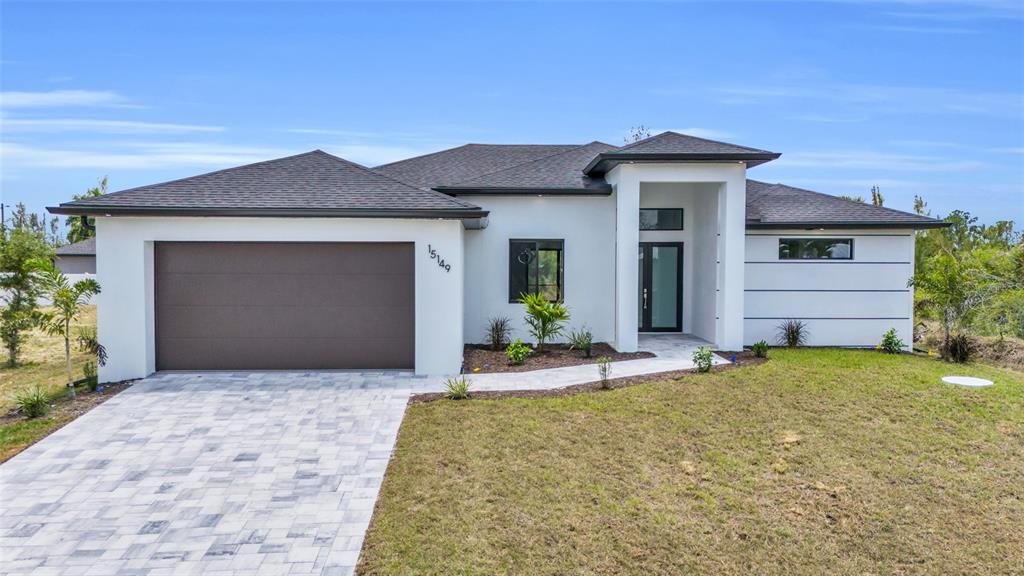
column 660, row 294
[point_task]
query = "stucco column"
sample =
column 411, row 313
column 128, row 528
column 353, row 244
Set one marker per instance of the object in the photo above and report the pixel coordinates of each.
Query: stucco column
column 626, row 183
column 731, row 257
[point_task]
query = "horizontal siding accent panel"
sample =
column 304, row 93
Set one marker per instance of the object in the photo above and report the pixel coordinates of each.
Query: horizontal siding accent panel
column 825, row 304
column 824, row 275
column 835, row 332
column 866, row 248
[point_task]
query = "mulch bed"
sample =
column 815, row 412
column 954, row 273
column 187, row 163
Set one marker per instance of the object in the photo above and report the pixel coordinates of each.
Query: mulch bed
column 554, row 356
column 743, row 358
column 66, row 408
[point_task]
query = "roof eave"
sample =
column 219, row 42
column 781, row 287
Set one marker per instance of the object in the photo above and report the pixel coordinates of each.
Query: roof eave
column 844, row 224
column 599, row 165
column 604, row 190
column 99, row 210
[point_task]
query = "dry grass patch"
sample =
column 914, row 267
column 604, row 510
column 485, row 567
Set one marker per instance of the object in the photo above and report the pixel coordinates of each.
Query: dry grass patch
column 820, row 461
column 42, row 363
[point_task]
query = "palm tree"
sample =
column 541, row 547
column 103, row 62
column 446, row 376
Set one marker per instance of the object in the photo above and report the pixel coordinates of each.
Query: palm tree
column 68, row 300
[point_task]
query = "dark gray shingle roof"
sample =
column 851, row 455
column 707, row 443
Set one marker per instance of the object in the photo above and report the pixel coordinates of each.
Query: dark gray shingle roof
column 86, row 247
column 314, row 183
column 449, row 167
column 781, row 206
column 672, row 146
column 562, row 171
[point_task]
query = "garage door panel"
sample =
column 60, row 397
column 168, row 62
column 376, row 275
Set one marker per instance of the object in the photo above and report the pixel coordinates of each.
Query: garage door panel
column 276, row 289
column 284, row 321
column 298, row 354
column 286, row 257
column 260, row 305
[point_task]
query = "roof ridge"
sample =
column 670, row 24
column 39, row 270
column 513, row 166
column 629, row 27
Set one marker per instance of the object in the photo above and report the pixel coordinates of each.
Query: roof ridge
column 428, row 154
column 573, row 149
column 212, row 172
column 397, row 181
column 673, row 132
column 853, row 202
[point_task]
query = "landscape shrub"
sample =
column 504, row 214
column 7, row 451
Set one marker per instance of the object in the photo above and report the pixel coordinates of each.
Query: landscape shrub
column 458, row 388
column 891, row 343
column 703, row 358
column 33, row 403
column 546, row 319
column 498, row 329
column 760, row 349
column 517, row 352
column 961, row 349
column 89, row 372
column 792, row 333
column 604, row 369
column 582, row 341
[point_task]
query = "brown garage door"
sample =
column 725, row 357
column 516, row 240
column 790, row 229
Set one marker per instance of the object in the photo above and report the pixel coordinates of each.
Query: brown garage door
column 284, row 306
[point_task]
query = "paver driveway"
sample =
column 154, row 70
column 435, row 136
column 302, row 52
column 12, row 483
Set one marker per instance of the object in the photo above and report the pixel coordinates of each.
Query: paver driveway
column 257, row 473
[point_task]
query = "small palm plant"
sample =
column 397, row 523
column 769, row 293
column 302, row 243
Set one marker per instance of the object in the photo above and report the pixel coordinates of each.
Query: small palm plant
column 546, row 319
column 68, row 301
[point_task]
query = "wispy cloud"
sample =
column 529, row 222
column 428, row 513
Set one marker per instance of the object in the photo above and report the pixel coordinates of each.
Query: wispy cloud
column 911, row 29
column 886, row 99
column 136, row 156
column 875, row 161
column 828, row 118
column 101, row 126
column 61, row 98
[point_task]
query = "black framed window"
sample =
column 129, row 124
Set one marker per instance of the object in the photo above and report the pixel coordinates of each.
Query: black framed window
column 536, row 267
column 661, row 218
column 816, row 249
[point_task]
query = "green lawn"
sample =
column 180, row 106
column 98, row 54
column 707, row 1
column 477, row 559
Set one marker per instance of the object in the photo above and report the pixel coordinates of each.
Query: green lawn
column 43, row 365
column 820, row 461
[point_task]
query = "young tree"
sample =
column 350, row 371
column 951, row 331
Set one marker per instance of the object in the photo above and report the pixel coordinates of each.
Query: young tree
column 876, row 196
column 68, row 301
column 24, row 253
column 947, row 288
column 76, row 230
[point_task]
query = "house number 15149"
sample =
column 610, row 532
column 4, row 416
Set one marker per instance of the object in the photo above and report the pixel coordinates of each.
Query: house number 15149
column 440, row 261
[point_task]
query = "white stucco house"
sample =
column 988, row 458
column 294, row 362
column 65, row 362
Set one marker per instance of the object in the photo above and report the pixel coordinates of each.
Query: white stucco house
column 314, row 262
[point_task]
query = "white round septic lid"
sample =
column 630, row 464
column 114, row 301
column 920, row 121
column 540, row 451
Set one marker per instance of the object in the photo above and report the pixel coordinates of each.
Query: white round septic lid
column 966, row 381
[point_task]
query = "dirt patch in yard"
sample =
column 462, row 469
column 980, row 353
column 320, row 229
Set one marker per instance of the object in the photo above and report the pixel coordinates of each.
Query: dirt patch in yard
column 481, row 360
column 743, row 358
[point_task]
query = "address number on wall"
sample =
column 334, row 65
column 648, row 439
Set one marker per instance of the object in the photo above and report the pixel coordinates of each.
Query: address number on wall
column 437, row 257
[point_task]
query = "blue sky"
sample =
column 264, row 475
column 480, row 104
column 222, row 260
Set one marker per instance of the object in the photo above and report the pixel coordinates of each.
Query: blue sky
column 916, row 97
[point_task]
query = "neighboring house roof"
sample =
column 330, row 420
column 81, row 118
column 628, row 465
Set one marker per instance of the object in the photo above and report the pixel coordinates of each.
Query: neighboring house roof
column 675, row 147
column 781, row 206
column 311, row 184
column 86, row 247
column 449, row 167
column 558, row 173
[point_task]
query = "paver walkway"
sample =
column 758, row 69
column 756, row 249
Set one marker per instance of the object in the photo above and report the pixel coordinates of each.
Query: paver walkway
column 221, row 473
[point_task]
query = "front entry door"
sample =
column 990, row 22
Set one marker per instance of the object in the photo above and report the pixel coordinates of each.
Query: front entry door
column 660, row 296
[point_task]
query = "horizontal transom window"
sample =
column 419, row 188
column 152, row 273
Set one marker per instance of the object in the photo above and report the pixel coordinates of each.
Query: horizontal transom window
column 535, row 267
column 661, row 218
column 816, row 249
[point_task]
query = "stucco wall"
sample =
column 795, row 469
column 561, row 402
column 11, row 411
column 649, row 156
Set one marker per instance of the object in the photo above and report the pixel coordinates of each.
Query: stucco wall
column 587, row 226
column 124, row 258
column 843, row 302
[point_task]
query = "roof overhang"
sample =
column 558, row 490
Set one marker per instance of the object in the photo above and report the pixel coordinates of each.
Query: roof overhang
column 600, row 190
column 844, row 225
column 605, row 161
column 100, row 210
